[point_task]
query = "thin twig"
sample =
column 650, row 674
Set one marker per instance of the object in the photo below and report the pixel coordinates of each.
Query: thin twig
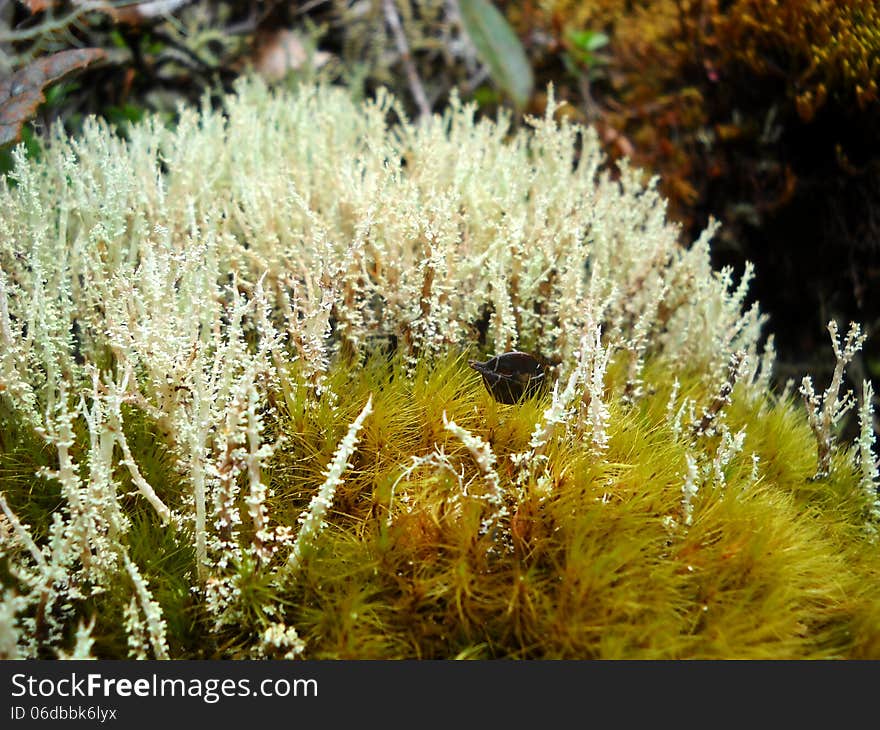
column 22, row 533
column 157, row 7
column 305, row 7
column 415, row 83
column 51, row 25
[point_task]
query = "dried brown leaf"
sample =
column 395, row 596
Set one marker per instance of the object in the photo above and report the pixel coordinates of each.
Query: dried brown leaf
column 37, row 6
column 22, row 92
column 281, row 51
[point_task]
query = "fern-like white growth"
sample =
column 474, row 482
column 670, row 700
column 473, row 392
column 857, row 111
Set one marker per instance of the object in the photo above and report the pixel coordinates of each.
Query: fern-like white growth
column 280, row 641
column 83, row 642
column 594, row 414
column 437, row 460
column 11, row 605
column 312, row 520
column 730, row 445
column 689, row 489
column 145, row 624
column 825, row 412
column 868, row 463
column 486, row 460
column 708, row 422
column 578, row 409
column 15, row 536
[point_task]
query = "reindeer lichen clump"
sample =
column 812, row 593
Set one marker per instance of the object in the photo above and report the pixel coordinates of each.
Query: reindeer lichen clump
column 188, row 319
column 826, row 412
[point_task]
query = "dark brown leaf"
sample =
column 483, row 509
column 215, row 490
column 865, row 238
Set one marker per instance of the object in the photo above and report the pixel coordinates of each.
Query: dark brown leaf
column 512, row 376
column 22, row 92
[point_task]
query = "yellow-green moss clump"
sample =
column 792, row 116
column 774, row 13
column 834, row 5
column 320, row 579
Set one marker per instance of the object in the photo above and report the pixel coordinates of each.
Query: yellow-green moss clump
column 236, row 416
column 594, row 561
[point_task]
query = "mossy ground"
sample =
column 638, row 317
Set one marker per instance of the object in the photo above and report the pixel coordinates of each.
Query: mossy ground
column 585, row 566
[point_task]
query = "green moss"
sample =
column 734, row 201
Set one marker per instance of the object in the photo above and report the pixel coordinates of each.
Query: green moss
column 586, row 565
column 779, row 568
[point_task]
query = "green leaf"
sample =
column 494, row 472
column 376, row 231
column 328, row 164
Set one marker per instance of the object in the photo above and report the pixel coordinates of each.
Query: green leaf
column 55, row 95
column 499, row 48
column 588, row 40
column 585, row 43
column 486, row 96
